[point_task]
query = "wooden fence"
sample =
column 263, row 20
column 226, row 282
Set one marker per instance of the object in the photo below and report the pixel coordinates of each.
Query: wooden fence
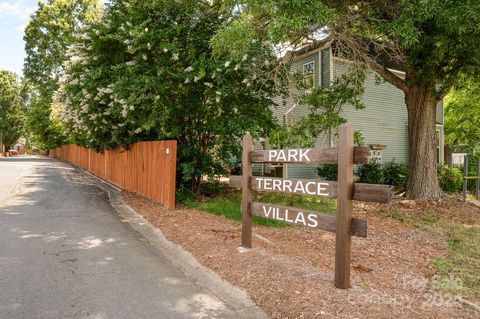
column 345, row 190
column 147, row 168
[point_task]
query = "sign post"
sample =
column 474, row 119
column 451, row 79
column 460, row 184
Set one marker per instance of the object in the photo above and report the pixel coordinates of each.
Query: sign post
column 343, row 239
column 343, row 224
column 247, row 144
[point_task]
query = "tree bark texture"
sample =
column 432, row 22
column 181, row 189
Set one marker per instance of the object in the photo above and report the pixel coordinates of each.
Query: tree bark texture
column 422, row 181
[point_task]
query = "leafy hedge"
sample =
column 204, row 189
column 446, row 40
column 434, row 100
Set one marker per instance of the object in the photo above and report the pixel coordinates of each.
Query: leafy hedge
column 450, row 178
column 390, row 173
column 396, row 174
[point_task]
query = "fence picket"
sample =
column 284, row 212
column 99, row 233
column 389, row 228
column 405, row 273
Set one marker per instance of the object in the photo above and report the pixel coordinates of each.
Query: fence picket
column 145, row 168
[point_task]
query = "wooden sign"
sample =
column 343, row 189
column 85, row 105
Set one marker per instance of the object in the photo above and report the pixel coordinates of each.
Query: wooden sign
column 323, row 221
column 343, row 224
column 307, row 156
column 361, row 191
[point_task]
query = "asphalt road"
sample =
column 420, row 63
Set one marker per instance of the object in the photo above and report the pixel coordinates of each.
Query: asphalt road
column 65, row 253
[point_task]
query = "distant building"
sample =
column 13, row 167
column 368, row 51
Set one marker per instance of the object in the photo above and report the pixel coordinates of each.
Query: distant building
column 383, row 123
column 21, row 146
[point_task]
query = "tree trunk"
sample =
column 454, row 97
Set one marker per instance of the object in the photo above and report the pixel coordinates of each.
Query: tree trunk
column 422, row 180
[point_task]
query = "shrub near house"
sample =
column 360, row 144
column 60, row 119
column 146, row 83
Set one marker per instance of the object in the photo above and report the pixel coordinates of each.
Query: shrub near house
column 389, row 173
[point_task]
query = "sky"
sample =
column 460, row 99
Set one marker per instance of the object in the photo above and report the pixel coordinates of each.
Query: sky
column 14, row 16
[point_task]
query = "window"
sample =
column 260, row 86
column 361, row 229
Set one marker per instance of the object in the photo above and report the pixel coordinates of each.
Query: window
column 308, row 74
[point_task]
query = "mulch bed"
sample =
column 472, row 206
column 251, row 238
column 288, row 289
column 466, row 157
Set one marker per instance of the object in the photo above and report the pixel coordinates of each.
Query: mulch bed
column 289, row 272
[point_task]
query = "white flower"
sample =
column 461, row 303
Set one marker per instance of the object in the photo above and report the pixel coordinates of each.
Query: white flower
column 157, row 97
column 218, row 93
column 227, row 64
column 196, row 78
column 108, row 91
column 210, row 85
column 131, row 108
column 127, row 41
column 244, row 58
column 187, row 80
column 124, row 113
column 97, row 32
column 144, row 56
column 130, row 63
column 267, row 62
column 165, row 50
column 149, row 46
column 237, row 67
column 146, row 29
column 138, row 130
column 217, row 99
column 175, row 56
column 245, row 81
column 189, row 69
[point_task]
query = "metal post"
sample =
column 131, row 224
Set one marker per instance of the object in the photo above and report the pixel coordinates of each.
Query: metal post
column 465, row 180
column 477, row 181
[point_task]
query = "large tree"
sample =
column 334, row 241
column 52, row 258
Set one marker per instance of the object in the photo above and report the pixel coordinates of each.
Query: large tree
column 47, row 36
column 11, row 114
column 147, row 72
column 433, row 41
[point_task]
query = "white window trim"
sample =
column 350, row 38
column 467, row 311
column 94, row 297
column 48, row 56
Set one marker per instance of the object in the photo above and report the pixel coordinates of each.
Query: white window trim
column 441, row 142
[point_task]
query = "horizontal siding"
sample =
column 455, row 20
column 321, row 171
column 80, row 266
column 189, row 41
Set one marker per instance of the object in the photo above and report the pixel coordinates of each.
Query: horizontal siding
column 286, row 104
column 384, row 119
column 302, row 171
column 297, row 66
column 439, row 113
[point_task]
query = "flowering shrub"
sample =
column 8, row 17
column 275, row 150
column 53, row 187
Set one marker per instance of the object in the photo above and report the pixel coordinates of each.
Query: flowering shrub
column 147, row 72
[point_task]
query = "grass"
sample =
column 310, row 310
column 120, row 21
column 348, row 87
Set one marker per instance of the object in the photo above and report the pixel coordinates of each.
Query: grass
column 228, row 205
column 423, row 221
column 460, row 270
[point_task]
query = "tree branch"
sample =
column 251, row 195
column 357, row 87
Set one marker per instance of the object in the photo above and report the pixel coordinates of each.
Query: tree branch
column 388, row 75
column 443, row 92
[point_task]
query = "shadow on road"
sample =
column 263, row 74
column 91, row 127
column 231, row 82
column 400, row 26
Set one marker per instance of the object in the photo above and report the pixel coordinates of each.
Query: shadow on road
column 69, row 255
column 29, row 158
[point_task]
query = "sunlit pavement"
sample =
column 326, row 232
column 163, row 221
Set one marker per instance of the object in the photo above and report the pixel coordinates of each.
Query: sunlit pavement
column 65, row 253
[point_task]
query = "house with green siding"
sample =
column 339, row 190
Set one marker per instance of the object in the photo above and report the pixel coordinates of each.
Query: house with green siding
column 383, row 122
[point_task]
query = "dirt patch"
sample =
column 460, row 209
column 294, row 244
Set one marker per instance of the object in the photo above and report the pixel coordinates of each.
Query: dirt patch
column 289, row 272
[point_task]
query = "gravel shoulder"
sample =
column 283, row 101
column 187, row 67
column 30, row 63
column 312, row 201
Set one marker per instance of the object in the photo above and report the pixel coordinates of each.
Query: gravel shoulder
column 289, row 271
